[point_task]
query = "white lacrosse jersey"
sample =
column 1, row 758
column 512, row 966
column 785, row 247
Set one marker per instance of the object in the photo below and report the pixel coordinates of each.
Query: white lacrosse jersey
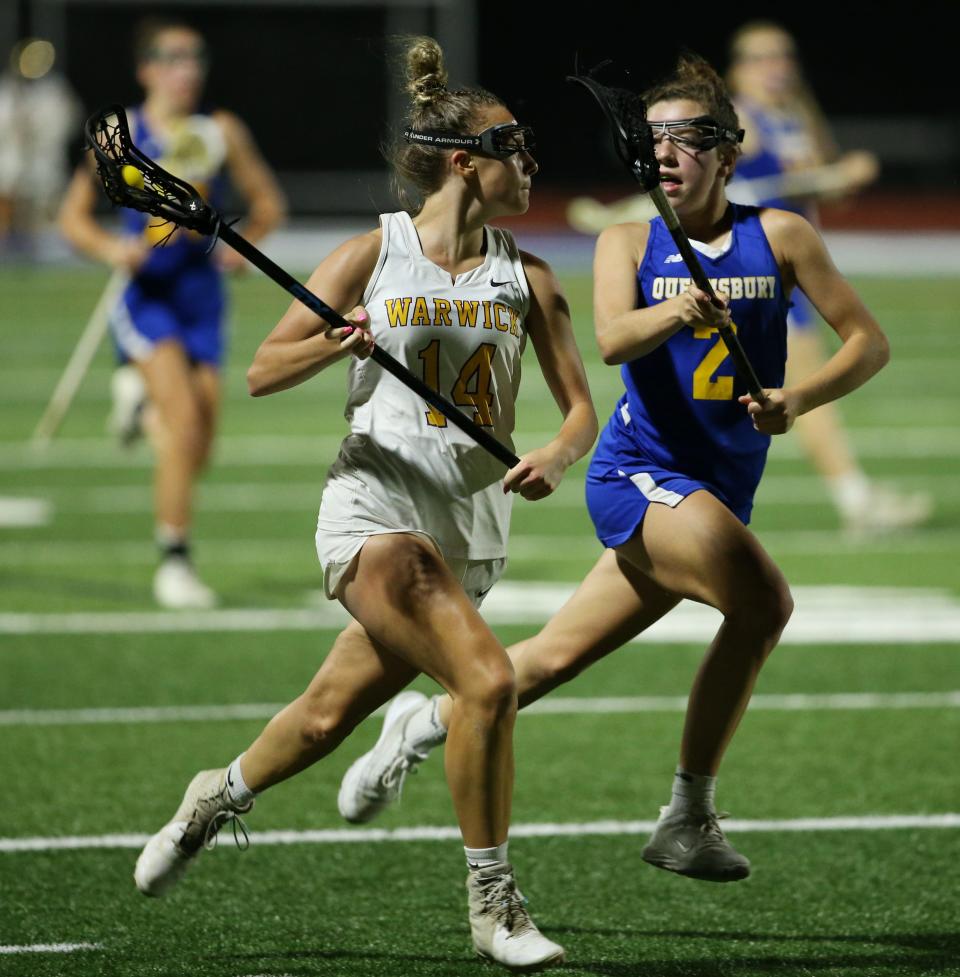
column 405, row 466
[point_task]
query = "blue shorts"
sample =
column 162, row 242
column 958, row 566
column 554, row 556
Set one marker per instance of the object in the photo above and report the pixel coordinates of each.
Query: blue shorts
column 618, row 499
column 188, row 308
column 801, row 314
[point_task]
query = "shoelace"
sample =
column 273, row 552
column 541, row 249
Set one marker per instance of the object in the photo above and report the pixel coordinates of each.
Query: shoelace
column 217, row 822
column 393, row 776
column 711, row 827
column 501, row 899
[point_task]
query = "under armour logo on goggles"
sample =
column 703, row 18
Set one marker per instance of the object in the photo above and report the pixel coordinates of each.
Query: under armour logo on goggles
column 500, row 141
column 700, row 133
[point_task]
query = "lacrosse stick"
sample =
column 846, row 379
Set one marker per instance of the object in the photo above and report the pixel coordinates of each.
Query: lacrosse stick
column 79, row 362
column 132, row 179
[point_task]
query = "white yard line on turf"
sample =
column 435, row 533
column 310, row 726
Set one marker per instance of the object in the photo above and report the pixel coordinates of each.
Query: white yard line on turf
column 523, row 548
column 823, row 615
column 332, row 836
column 307, row 450
column 304, row 496
column 552, row 706
column 20, row 512
column 50, row 947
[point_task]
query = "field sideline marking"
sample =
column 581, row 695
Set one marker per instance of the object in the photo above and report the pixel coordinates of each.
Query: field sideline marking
column 21, row 512
column 523, row 547
column 49, row 947
column 551, row 706
column 304, row 496
column 333, row 836
column 823, row 615
column 320, row 449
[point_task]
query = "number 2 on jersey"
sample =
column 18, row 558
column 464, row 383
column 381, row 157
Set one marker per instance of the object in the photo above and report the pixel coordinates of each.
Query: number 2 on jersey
column 705, row 388
column 472, row 388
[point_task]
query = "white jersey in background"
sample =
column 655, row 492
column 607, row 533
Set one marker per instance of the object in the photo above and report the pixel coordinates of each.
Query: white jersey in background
column 404, row 467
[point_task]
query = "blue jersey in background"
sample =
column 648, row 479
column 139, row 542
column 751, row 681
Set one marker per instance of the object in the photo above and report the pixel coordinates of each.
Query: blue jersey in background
column 785, row 143
column 177, row 294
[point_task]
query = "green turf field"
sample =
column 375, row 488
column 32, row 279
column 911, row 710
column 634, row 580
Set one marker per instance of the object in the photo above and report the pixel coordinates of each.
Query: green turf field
column 833, row 739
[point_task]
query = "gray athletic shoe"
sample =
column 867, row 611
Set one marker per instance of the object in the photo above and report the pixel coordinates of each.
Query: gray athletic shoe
column 206, row 807
column 500, row 925
column 693, row 845
column 376, row 779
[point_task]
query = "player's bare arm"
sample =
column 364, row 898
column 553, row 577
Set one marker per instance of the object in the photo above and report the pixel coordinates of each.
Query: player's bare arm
column 79, row 226
column 549, row 326
column 623, row 331
column 302, row 344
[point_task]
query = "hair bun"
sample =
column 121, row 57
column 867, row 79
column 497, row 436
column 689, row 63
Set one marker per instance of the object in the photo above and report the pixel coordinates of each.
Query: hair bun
column 425, row 71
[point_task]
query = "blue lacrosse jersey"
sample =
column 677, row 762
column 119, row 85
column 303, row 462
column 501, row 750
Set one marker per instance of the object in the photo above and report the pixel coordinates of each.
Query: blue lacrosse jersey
column 178, row 293
column 195, row 151
column 679, row 417
column 785, row 143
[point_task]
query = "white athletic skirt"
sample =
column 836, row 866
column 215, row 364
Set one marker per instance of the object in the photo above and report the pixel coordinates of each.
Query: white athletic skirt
column 345, row 523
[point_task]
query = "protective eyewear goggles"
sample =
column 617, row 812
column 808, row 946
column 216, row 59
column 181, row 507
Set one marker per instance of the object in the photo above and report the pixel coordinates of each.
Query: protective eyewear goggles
column 701, row 133
column 176, row 56
column 500, row 141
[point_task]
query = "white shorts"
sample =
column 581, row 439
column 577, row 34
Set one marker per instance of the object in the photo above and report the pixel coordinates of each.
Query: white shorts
column 343, row 528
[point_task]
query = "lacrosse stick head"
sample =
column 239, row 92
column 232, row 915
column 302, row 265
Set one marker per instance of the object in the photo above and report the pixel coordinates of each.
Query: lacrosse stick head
column 150, row 189
column 627, row 116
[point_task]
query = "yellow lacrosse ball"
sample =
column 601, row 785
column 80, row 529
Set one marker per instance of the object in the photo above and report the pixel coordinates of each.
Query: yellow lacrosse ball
column 132, row 176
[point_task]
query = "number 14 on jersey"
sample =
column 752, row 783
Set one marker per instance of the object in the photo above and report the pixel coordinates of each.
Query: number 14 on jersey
column 472, row 386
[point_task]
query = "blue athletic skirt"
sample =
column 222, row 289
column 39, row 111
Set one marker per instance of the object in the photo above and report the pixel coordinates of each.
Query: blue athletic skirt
column 622, row 485
column 188, row 307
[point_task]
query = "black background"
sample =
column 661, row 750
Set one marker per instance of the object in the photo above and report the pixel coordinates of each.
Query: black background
column 313, row 82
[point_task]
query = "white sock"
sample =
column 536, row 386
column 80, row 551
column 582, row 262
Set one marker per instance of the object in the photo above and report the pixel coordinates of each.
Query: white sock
column 478, row 858
column 850, row 492
column 237, row 788
column 692, row 793
column 424, row 729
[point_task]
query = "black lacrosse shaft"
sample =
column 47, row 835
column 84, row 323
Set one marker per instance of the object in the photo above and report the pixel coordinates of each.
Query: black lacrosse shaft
column 741, row 363
column 316, row 305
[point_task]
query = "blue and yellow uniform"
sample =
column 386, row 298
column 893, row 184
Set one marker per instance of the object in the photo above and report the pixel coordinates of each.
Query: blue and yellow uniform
column 785, row 143
column 678, row 428
column 178, row 292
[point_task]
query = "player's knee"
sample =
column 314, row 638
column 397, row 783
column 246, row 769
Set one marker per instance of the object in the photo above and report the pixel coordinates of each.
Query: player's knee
column 180, row 414
column 777, row 607
column 490, row 691
column 764, row 607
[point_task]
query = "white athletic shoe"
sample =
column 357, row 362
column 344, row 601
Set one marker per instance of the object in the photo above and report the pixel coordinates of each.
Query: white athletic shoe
column 886, row 510
column 376, row 779
column 500, row 925
column 206, row 807
column 129, row 396
column 177, row 586
column 693, row 845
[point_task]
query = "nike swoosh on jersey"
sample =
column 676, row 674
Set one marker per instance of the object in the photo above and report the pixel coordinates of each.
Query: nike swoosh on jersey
column 500, row 284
